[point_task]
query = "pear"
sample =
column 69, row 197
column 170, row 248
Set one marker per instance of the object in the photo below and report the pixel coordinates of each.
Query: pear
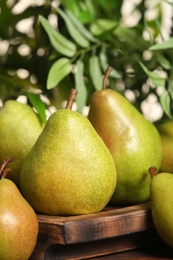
column 18, row 221
column 166, row 133
column 69, row 170
column 19, row 129
column 162, row 204
column 133, row 141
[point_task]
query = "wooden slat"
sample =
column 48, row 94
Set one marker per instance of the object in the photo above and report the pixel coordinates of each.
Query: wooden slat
column 104, row 247
column 112, row 224
column 101, row 247
column 105, row 224
column 108, row 211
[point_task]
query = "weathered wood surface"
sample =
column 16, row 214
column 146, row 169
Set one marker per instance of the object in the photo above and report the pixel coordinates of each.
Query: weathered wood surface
column 112, row 230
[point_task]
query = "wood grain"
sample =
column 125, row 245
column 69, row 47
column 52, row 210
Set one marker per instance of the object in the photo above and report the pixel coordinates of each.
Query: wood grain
column 100, row 248
column 112, row 224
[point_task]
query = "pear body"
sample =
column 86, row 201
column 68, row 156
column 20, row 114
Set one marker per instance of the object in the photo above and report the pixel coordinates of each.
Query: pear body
column 162, row 205
column 18, row 223
column 69, row 170
column 133, row 141
column 166, row 134
column 19, row 129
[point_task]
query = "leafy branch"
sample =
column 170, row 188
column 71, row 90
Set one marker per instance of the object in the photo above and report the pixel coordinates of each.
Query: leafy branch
column 87, row 39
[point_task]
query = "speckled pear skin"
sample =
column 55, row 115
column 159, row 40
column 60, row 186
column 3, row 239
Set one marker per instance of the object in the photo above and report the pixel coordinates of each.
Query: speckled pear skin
column 18, row 223
column 69, row 170
column 19, row 128
column 133, row 141
column 162, row 205
column 166, row 133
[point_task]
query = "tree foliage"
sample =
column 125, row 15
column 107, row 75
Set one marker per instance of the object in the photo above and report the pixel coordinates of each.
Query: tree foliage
column 71, row 43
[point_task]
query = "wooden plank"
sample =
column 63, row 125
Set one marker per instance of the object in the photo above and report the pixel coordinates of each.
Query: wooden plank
column 112, row 223
column 105, row 224
column 98, row 248
column 108, row 226
column 107, row 211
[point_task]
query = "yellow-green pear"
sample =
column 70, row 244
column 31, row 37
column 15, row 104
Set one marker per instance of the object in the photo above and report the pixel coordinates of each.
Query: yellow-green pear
column 166, row 133
column 19, row 129
column 69, row 170
column 162, row 204
column 133, row 141
column 18, row 221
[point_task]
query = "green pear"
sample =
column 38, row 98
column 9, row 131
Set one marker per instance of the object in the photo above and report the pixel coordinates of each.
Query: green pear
column 18, row 221
column 166, row 133
column 161, row 204
column 69, row 170
column 19, row 129
column 133, row 141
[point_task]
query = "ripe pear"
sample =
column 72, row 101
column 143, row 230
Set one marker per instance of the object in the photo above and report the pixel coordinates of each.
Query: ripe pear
column 166, row 133
column 18, row 221
column 133, row 141
column 19, row 129
column 69, row 170
column 162, row 204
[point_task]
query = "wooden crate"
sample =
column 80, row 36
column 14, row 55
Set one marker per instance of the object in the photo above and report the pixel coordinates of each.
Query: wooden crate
column 82, row 237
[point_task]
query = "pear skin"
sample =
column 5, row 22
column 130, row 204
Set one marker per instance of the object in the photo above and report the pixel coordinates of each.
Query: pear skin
column 18, row 222
column 19, row 129
column 133, row 141
column 166, row 133
column 69, row 170
column 162, row 204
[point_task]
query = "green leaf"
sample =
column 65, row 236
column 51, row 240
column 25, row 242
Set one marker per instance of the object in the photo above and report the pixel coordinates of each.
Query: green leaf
column 79, row 9
column 72, row 5
column 170, row 84
column 165, row 101
column 104, row 64
column 38, row 105
column 163, row 45
column 102, row 25
column 86, row 17
column 82, row 29
column 80, row 86
column 77, row 36
column 59, row 70
column 95, row 72
column 163, row 61
column 58, row 41
column 153, row 76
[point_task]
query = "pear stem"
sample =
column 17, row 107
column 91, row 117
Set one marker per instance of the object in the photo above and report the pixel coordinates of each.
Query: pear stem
column 72, row 96
column 3, row 171
column 106, row 75
column 152, row 171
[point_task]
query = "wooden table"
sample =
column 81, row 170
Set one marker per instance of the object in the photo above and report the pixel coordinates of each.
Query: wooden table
column 125, row 232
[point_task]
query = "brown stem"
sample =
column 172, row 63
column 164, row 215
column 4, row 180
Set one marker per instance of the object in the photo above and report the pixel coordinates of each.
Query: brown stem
column 3, row 171
column 70, row 101
column 152, row 171
column 105, row 78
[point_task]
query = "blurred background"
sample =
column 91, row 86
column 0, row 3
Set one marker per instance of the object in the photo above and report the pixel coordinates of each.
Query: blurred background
column 48, row 47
